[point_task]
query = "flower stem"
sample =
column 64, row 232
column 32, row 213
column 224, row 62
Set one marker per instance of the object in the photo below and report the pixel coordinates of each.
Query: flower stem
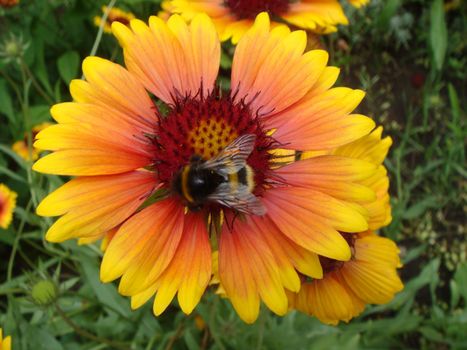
column 16, row 242
column 39, row 89
column 89, row 335
column 98, row 39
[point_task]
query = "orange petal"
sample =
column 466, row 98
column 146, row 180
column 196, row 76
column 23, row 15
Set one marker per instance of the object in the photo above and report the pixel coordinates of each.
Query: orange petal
column 110, row 85
column 247, row 267
column 144, row 246
column 372, row 274
column 270, row 70
column 88, row 162
column 80, row 136
column 333, row 175
column 171, row 59
column 312, row 219
column 94, row 205
column 316, row 15
column 302, row 259
column 330, row 302
column 371, row 148
column 322, row 121
column 287, row 254
column 190, row 269
column 107, row 118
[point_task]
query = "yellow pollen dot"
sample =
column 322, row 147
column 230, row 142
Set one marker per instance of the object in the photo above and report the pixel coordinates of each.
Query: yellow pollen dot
column 210, row 136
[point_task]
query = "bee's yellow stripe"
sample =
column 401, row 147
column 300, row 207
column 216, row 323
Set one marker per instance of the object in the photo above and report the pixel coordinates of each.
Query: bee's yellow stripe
column 185, row 191
column 233, row 180
column 250, row 178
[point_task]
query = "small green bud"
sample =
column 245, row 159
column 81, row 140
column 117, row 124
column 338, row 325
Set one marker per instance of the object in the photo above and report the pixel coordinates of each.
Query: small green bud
column 13, row 48
column 44, row 292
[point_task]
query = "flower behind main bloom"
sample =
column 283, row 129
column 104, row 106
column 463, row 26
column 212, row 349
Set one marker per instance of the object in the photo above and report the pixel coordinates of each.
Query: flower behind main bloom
column 21, row 148
column 233, row 18
column 124, row 152
column 370, row 276
column 115, row 14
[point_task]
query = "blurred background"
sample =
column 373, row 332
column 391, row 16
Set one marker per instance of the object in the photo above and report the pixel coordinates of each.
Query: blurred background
column 410, row 56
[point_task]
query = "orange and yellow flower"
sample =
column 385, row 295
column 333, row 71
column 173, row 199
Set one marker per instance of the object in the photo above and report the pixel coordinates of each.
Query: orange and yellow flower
column 233, row 18
column 114, row 15
column 370, row 276
column 125, row 152
column 5, row 343
column 21, row 147
column 7, row 205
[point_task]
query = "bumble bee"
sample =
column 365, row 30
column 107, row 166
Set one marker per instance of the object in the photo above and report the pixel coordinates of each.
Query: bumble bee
column 225, row 179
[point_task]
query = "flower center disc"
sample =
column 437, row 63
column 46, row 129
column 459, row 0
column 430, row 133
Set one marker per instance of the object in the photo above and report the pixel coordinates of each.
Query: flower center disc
column 204, row 127
column 250, row 8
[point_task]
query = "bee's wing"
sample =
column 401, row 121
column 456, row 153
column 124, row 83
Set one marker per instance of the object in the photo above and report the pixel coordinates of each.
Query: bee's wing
column 241, row 199
column 232, row 158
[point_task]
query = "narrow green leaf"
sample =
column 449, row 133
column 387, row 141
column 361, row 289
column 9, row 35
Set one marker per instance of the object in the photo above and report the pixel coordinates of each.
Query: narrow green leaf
column 5, row 102
column 421, row 207
column 438, row 33
column 106, row 293
column 461, row 279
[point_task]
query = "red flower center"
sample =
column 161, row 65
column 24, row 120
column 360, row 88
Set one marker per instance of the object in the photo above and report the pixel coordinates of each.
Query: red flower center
column 250, row 8
column 205, row 126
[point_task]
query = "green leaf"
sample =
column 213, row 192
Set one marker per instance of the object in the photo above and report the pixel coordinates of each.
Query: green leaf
column 454, row 100
column 7, row 150
column 461, row 279
column 431, row 334
column 40, row 68
column 37, row 115
column 438, row 33
column 5, row 102
column 389, row 10
column 11, row 174
column 414, row 253
column 68, row 65
column 419, row 208
column 106, row 293
column 190, row 340
column 40, row 339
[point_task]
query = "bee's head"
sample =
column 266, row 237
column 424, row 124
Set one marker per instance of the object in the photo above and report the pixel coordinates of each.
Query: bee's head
column 196, row 158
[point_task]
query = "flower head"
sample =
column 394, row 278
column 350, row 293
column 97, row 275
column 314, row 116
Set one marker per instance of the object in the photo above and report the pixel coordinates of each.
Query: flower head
column 13, row 48
column 21, row 148
column 143, row 173
column 369, row 277
column 7, row 205
column 8, row 3
column 114, row 15
column 233, row 18
column 44, row 292
column 5, row 343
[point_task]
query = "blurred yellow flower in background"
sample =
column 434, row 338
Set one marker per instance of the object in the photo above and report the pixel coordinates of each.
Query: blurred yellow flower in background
column 21, row 147
column 7, row 205
column 115, row 15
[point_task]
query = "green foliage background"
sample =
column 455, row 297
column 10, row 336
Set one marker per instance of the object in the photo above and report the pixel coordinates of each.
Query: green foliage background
column 410, row 57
